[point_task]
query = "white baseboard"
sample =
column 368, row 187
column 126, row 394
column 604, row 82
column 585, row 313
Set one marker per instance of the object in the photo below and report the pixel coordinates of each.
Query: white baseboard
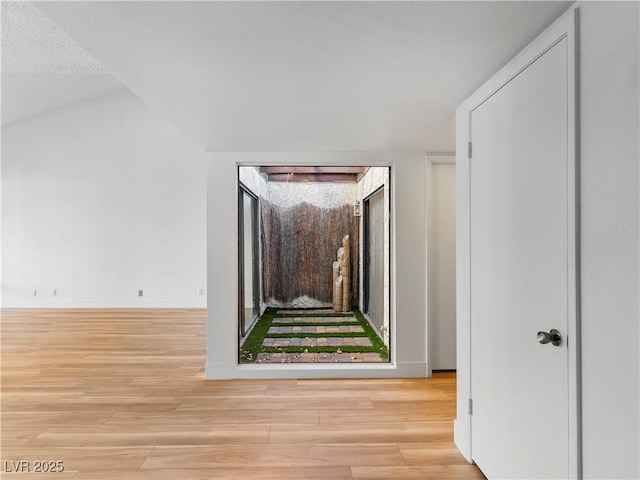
column 219, row 371
column 103, row 303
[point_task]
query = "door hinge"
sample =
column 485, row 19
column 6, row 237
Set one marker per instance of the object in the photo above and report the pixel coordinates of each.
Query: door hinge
column 470, row 150
column 471, row 406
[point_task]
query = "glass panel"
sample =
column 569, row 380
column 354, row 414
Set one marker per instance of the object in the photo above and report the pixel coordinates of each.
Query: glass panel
column 375, row 264
column 248, row 257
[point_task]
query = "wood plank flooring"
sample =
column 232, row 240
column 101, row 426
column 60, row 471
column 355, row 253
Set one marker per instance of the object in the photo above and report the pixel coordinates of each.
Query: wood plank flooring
column 120, row 394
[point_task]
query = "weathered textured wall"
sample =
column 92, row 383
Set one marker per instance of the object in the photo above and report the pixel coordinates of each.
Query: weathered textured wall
column 300, row 244
column 253, row 181
column 301, row 229
column 324, row 195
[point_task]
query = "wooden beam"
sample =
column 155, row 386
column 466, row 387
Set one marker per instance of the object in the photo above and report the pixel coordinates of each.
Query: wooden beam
column 312, row 169
column 312, row 177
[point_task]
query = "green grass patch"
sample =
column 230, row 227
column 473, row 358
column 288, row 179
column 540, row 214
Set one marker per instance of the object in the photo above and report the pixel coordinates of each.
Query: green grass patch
column 376, row 341
column 252, row 345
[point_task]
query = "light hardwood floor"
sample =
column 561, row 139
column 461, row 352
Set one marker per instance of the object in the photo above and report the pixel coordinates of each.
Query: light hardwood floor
column 121, row 394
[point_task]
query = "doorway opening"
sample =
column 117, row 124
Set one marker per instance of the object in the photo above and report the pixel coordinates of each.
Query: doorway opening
column 313, row 272
column 248, row 255
column 374, row 258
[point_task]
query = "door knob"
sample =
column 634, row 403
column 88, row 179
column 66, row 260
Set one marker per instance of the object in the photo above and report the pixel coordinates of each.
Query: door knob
column 553, row 337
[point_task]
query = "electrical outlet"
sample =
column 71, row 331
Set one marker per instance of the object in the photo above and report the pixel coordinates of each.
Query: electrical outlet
column 35, row 293
column 55, row 292
column 140, row 293
column 200, row 291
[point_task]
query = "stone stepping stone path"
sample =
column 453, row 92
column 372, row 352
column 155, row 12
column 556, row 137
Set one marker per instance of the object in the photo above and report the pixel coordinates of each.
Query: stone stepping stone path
column 318, row 357
column 314, row 342
column 341, row 319
column 316, row 336
column 314, row 311
column 318, row 329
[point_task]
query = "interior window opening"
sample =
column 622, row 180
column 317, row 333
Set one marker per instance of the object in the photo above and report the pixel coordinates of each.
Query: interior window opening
column 313, row 267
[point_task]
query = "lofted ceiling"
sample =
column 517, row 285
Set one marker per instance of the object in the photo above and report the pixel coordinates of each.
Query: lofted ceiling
column 42, row 67
column 305, row 76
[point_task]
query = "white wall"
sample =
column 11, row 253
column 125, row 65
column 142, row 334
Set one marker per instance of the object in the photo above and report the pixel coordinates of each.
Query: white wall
column 408, row 266
column 101, row 199
column 442, row 262
column 609, row 144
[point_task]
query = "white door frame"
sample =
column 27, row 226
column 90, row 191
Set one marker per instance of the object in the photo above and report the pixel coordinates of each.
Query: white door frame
column 564, row 27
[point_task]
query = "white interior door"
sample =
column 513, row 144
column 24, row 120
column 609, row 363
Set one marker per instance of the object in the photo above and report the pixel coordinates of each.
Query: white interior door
column 520, row 269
